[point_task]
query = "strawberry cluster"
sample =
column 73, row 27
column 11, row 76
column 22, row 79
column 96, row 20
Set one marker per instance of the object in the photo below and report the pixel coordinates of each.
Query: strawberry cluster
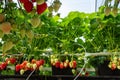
column 3, row 65
column 29, row 66
column 66, row 64
column 114, row 63
column 28, row 5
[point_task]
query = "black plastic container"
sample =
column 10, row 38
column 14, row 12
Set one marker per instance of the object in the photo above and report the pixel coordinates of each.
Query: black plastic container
column 104, row 70
column 64, row 71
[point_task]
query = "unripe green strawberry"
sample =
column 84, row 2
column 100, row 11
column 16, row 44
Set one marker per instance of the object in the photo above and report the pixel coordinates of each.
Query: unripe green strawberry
column 22, row 71
column 56, row 5
column 56, row 59
column 33, row 12
column 67, row 61
column 2, row 17
column 66, row 64
column 107, row 11
column 50, row 8
column 35, row 21
column 118, row 67
column 41, row 68
column 14, row 27
column 73, row 71
column 115, row 58
column 1, row 34
column 28, row 65
column 34, row 66
column 115, row 11
column 30, row 34
column 70, row 64
column 31, row 65
column 50, row 14
column 109, row 65
column 52, row 61
column 52, row 56
column 114, row 61
column 66, row 53
column 7, row 46
column 22, row 33
column 40, row 1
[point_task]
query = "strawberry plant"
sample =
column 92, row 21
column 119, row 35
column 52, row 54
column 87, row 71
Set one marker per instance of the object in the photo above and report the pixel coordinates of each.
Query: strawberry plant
column 102, row 35
column 28, row 27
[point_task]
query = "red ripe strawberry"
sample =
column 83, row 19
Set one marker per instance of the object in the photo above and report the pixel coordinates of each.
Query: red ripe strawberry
column 22, row 66
column 33, row 0
column 17, row 67
column 33, row 61
column 86, row 74
column 42, row 61
column 25, row 62
column 41, row 8
column 113, row 66
column 74, row 64
column 28, row 6
column 61, row 65
column 38, row 63
column 57, row 64
column 24, row 1
column 27, row 68
column 12, row 60
column 0, row 67
column 31, row 69
column 3, row 65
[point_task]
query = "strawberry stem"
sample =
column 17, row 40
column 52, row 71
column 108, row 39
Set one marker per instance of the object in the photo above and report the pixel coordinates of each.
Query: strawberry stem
column 116, row 3
column 106, row 3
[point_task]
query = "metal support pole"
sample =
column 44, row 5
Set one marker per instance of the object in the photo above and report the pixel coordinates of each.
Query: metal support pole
column 95, row 5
